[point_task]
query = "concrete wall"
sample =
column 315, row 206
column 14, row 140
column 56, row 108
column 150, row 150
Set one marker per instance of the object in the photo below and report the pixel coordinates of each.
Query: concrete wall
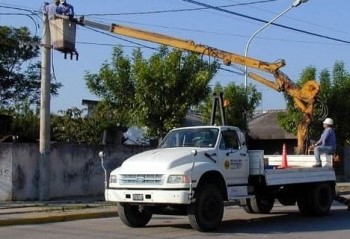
column 5, row 173
column 75, row 170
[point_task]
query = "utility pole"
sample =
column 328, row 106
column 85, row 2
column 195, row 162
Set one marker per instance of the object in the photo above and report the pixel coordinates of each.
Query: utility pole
column 44, row 147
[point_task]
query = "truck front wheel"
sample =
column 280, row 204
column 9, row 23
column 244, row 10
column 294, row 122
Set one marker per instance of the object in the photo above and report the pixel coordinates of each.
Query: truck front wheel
column 206, row 213
column 133, row 215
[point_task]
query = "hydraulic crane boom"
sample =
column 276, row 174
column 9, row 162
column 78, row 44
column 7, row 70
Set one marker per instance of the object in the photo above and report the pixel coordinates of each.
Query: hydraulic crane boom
column 304, row 98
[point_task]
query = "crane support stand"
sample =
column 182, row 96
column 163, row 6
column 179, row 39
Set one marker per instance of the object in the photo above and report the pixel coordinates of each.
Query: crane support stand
column 343, row 200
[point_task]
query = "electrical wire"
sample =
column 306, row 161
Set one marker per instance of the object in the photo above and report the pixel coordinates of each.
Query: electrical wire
column 103, row 44
column 120, row 38
column 27, row 15
column 299, row 20
column 206, row 6
column 264, row 21
column 231, row 71
column 176, row 10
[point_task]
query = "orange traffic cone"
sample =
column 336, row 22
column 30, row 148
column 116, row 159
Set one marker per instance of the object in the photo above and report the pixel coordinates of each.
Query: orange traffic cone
column 284, row 157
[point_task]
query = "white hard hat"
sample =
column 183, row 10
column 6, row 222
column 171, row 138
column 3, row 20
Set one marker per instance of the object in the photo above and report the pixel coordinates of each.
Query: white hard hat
column 328, row 121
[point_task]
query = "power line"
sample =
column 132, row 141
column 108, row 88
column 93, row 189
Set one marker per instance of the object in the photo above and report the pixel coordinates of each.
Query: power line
column 120, row 38
column 264, row 21
column 32, row 13
column 102, row 44
column 205, row 6
column 300, row 20
column 176, row 10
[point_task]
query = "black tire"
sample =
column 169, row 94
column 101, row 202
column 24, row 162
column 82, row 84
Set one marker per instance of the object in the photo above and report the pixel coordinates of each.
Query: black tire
column 133, row 215
column 248, row 207
column 304, row 205
column 262, row 203
column 316, row 200
column 321, row 199
column 286, row 201
column 287, row 197
column 206, row 213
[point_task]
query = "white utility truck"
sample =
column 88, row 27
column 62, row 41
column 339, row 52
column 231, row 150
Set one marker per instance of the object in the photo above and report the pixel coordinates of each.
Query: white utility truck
column 196, row 171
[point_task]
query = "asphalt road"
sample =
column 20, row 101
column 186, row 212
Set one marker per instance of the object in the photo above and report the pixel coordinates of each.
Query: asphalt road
column 283, row 222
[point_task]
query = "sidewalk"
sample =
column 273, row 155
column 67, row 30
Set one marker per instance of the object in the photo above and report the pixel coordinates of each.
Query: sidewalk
column 19, row 213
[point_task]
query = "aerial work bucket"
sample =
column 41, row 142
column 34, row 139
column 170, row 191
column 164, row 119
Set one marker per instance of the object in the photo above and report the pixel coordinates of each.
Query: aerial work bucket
column 63, row 34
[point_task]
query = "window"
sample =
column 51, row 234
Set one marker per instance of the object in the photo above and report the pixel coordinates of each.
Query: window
column 191, row 137
column 229, row 140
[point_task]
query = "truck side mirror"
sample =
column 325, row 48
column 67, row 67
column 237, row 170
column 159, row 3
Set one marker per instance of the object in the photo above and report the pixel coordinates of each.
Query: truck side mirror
column 241, row 136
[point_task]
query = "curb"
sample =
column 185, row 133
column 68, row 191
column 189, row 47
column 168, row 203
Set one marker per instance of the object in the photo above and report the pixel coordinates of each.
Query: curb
column 56, row 218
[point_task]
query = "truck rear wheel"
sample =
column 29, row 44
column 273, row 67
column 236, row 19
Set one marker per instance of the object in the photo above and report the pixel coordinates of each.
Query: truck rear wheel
column 133, row 215
column 304, row 204
column 321, row 199
column 262, row 203
column 248, row 207
column 315, row 200
column 286, row 196
column 206, row 213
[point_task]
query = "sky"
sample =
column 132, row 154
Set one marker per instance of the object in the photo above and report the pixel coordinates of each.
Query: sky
column 226, row 30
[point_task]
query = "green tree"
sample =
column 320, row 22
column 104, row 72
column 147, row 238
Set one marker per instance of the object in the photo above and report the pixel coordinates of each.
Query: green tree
column 155, row 92
column 19, row 74
column 76, row 126
column 339, row 104
column 23, row 123
column 241, row 104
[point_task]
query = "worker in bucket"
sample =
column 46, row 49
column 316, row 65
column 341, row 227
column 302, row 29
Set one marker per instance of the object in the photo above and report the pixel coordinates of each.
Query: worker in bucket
column 65, row 9
column 51, row 8
column 327, row 142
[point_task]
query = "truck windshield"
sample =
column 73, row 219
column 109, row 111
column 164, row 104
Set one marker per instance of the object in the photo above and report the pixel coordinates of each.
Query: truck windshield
column 196, row 137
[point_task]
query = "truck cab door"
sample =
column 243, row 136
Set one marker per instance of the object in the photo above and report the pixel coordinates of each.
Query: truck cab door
column 234, row 161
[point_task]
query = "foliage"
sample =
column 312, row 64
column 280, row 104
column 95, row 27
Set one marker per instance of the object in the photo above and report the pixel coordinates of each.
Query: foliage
column 242, row 103
column 19, row 75
column 157, row 92
column 24, row 124
column 74, row 125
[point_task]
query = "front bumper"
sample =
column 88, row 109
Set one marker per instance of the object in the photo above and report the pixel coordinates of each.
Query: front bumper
column 166, row 196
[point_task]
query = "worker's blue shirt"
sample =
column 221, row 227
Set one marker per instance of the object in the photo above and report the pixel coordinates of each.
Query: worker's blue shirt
column 65, row 9
column 327, row 138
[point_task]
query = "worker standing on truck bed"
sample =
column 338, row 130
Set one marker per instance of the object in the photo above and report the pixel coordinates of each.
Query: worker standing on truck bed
column 326, row 144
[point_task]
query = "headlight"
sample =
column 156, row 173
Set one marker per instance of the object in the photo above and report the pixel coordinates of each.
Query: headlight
column 178, row 179
column 113, row 179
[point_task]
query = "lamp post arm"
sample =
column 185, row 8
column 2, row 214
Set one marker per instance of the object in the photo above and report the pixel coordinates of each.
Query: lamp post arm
column 295, row 4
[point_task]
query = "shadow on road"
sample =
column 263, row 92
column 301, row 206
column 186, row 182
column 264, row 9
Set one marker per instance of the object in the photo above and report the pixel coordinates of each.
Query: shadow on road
column 278, row 221
column 290, row 222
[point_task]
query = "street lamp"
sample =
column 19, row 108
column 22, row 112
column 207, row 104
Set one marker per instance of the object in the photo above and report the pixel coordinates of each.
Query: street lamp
column 295, row 4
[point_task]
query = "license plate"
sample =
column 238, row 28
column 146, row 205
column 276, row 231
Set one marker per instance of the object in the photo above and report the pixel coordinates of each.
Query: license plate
column 137, row 197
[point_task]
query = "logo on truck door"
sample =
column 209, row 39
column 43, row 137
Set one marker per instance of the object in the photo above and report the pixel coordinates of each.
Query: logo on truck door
column 227, row 164
column 233, row 164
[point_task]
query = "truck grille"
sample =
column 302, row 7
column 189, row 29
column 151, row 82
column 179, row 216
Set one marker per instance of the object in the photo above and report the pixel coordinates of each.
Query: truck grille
column 148, row 179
